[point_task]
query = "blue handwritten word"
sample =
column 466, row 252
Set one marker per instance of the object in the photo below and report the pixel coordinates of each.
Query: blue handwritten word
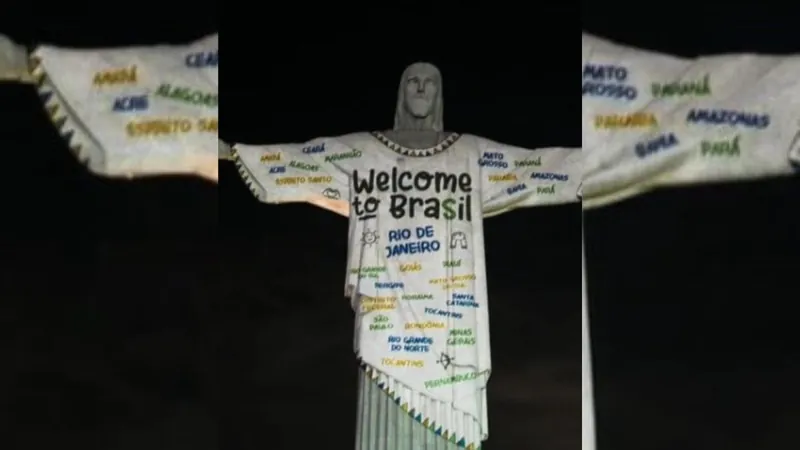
column 607, row 81
column 439, row 312
column 492, row 159
column 655, row 145
column 728, row 117
column 400, row 234
column 516, row 188
column 388, row 285
column 277, row 169
column 131, row 103
column 549, row 176
column 467, row 300
column 411, row 344
column 608, row 72
column 410, row 248
column 319, row 148
column 201, row 60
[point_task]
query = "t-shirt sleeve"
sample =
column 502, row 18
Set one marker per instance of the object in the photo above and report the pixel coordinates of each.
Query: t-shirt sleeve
column 701, row 120
column 136, row 111
column 315, row 172
column 514, row 177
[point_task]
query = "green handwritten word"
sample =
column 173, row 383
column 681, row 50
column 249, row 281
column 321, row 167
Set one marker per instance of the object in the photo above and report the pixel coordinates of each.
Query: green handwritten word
column 723, row 148
column 529, row 162
column 697, row 88
column 460, row 378
column 546, row 190
column 461, row 336
column 368, row 271
column 340, row 156
column 379, row 323
column 417, row 297
column 304, row 166
column 187, row 95
column 452, row 263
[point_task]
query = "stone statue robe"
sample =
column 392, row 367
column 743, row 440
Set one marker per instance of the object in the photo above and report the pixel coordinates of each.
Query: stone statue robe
column 129, row 111
column 416, row 272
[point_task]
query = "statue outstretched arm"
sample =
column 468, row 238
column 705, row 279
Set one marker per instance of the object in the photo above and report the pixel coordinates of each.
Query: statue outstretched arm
column 653, row 120
column 514, row 177
column 130, row 112
column 315, row 172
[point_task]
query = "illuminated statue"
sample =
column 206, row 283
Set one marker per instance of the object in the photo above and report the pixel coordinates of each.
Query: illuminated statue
column 129, row 112
column 416, row 197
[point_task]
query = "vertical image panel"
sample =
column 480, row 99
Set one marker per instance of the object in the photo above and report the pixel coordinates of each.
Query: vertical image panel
column 108, row 226
column 690, row 224
column 396, row 280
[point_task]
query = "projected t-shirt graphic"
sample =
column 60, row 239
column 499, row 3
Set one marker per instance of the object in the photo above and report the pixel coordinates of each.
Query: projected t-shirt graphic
column 652, row 120
column 416, row 270
column 135, row 111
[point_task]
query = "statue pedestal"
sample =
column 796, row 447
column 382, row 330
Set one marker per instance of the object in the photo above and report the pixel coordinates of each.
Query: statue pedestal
column 587, row 424
column 383, row 424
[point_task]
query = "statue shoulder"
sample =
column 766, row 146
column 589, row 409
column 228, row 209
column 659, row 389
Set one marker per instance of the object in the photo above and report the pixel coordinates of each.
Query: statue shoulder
column 483, row 143
column 488, row 145
column 354, row 140
column 210, row 40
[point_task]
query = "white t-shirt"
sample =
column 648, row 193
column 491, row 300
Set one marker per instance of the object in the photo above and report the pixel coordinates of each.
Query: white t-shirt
column 416, row 271
column 135, row 111
column 651, row 119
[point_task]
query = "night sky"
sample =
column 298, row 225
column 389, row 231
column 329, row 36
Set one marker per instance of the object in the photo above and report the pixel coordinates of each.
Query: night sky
column 172, row 313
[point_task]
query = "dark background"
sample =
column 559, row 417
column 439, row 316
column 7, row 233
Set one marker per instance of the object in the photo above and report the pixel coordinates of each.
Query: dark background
column 106, row 287
column 694, row 291
column 287, row 262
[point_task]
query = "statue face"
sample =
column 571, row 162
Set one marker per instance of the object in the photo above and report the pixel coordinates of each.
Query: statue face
column 422, row 86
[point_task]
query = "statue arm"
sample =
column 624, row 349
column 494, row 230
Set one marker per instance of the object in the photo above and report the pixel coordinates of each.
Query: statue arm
column 718, row 118
column 137, row 111
column 287, row 173
column 548, row 176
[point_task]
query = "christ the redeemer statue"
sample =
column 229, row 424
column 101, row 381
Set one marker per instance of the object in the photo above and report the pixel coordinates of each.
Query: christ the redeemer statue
column 416, row 197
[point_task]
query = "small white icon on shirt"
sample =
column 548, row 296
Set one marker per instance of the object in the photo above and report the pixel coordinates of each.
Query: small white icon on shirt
column 458, row 240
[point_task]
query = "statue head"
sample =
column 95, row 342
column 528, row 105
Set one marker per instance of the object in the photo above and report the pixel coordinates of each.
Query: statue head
column 419, row 99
